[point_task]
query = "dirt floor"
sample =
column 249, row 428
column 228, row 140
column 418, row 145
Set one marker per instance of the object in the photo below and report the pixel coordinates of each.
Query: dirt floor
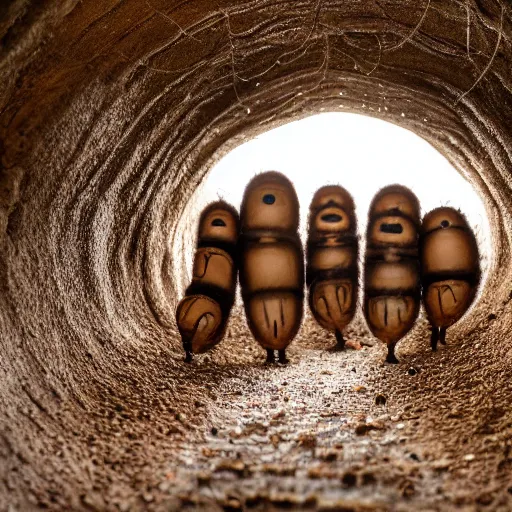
column 345, row 431
column 330, row 431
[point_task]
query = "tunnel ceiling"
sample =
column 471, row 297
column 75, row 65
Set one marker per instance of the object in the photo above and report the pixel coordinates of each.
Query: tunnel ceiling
column 111, row 112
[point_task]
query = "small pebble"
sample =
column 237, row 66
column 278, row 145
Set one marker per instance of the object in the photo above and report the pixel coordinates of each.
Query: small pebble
column 274, row 439
column 441, row 464
column 164, row 486
column 148, row 497
column 364, row 428
column 232, row 504
column 278, row 415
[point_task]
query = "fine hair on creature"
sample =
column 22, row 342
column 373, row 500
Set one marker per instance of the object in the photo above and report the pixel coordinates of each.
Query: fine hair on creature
column 406, row 261
column 392, row 288
column 203, row 313
column 271, row 262
column 450, row 269
column 332, row 253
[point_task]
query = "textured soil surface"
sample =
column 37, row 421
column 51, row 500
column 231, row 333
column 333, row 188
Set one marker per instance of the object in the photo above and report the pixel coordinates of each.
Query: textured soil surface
column 111, row 114
column 329, row 431
column 345, row 431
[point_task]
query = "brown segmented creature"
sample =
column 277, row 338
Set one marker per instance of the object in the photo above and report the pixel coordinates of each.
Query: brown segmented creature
column 392, row 275
column 203, row 313
column 332, row 252
column 450, row 269
column 271, row 262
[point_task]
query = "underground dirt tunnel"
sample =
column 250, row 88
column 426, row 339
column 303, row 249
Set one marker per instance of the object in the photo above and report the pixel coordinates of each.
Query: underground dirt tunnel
column 112, row 113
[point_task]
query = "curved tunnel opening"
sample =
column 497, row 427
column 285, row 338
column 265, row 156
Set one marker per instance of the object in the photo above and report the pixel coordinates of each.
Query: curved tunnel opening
column 361, row 153
column 111, row 117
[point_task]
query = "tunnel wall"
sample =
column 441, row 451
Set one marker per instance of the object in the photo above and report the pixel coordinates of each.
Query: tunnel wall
column 112, row 113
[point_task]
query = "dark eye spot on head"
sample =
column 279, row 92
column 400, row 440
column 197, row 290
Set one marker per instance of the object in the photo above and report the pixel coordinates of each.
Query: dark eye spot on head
column 218, row 222
column 391, row 228
column 331, row 217
column 269, row 198
column 444, row 223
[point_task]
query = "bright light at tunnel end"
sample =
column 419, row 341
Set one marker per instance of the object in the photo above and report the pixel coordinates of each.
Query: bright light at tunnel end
column 360, row 153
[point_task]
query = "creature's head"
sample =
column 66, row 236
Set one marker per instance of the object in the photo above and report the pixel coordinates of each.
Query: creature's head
column 443, row 218
column 394, row 217
column 270, row 203
column 219, row 221
column 332, row 211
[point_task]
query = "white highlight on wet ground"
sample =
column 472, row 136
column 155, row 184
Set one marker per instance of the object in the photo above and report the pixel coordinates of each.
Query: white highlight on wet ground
column 360, row 153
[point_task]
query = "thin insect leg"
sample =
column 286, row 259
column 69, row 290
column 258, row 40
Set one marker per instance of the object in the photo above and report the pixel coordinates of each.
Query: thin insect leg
column 271, row 357
column 340, row 340
column 282, row 356
column 391, row 358
column 434, row 338
column 188, row 352
column 442, row 335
